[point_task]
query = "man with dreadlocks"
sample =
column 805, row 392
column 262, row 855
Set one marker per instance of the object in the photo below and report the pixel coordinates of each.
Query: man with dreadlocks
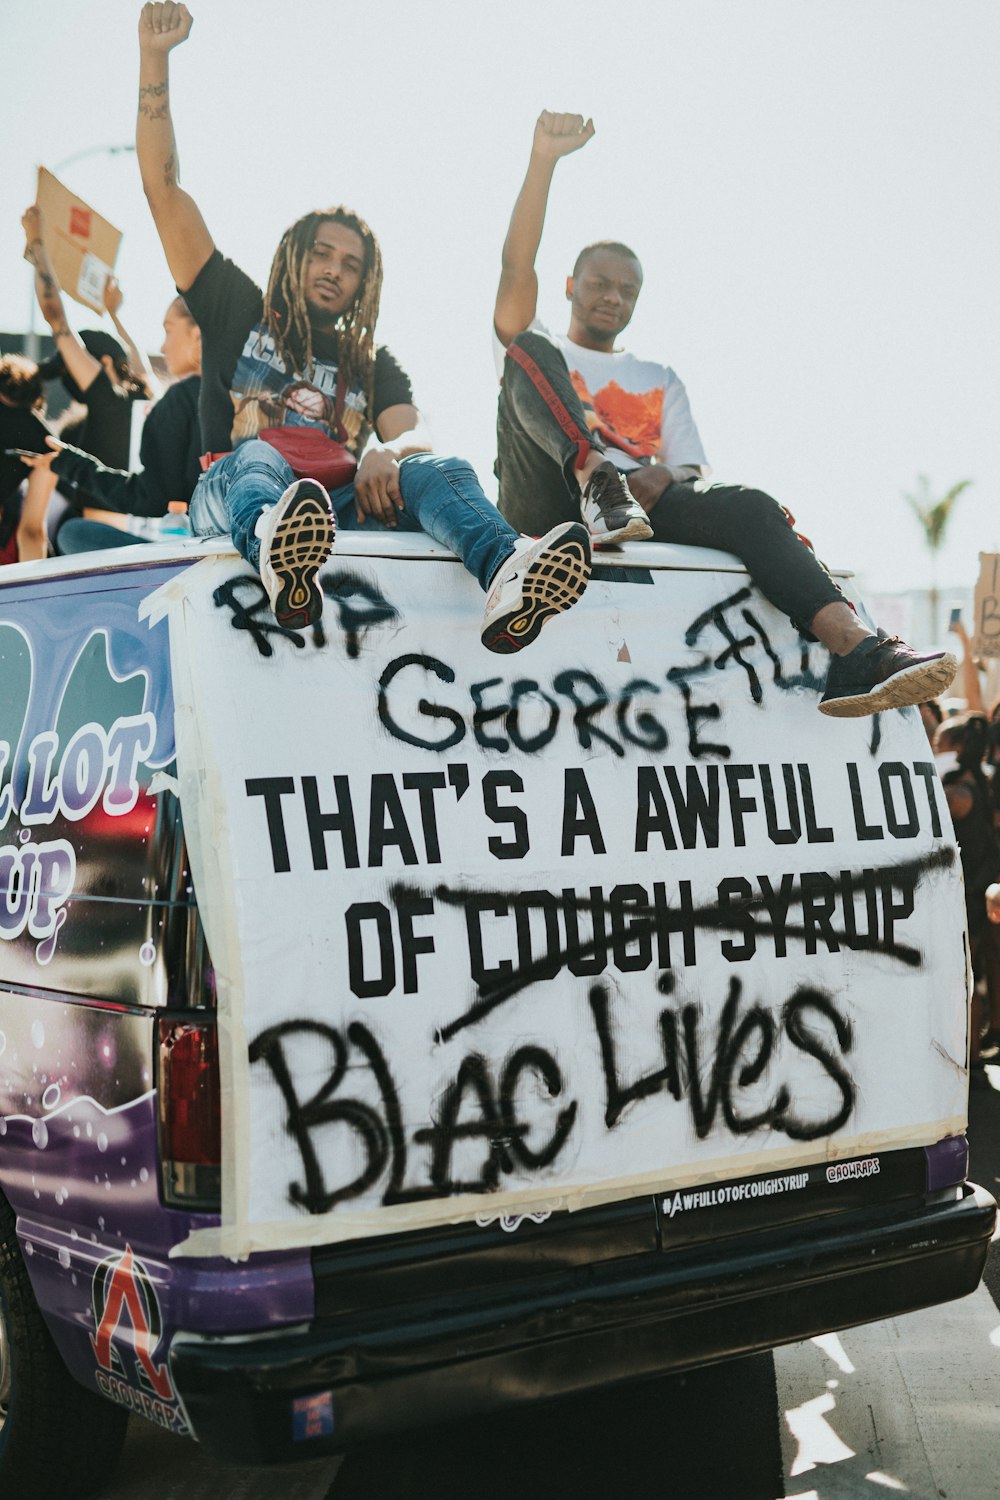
column 297, row 400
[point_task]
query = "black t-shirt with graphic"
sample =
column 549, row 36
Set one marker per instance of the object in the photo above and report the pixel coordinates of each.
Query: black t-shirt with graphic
column 19, row 428
column 244, row 383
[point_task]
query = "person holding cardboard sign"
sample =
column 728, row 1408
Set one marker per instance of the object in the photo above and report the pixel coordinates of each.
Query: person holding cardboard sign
column 92, row 366
column 297, row 400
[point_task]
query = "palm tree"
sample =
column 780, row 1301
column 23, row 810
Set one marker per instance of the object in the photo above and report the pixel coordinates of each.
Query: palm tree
column 934, row 516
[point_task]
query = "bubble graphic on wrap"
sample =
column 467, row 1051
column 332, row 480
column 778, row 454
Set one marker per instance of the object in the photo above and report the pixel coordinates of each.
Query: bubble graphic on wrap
column 102, row 1142
column 147, row 955
column 40, row 1134
column 3, row 1043
column 64, row 1258
column 51, row 1097
column 38, row 1033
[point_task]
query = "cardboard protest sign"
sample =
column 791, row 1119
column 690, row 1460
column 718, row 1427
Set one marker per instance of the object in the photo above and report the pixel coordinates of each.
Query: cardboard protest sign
column 82, row 246
column 986, row 607
column 500, row 935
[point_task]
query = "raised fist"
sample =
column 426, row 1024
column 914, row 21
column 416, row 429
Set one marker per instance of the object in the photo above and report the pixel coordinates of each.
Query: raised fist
column 164, row 26
column 557, row 135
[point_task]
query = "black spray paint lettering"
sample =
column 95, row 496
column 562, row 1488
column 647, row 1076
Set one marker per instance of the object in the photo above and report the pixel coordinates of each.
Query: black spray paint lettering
column 709, row 1067
column 360, row 604
column 522, row 716
column 250, row 609
column 719, row 617
column 483, row 1104
column 887, row 896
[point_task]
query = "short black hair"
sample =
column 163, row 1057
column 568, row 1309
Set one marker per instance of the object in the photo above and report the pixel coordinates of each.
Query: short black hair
column 20, row 382
column 615, row 246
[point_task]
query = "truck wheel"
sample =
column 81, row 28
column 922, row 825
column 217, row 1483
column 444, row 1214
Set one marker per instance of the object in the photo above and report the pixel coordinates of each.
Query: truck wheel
column 58, row 1441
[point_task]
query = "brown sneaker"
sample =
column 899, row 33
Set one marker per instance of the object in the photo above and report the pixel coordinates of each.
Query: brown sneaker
column 884, row 672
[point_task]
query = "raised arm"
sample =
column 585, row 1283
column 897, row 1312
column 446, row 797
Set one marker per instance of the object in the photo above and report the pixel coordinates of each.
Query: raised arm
column 137, row 361
column 82, row 365
column 556, row 135
column 182, row 230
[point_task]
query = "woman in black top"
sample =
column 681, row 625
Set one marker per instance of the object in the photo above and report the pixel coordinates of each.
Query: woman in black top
column 169, row 451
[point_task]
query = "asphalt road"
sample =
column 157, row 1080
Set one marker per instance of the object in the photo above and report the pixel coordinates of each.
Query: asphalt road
column 909, row 1406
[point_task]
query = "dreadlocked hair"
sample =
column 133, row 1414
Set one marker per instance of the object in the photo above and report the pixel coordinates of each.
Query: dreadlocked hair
column 286, row 316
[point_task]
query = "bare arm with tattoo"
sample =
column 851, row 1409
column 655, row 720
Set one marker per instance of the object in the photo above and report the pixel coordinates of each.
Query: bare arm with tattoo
column 82, row 365
column 182, row 230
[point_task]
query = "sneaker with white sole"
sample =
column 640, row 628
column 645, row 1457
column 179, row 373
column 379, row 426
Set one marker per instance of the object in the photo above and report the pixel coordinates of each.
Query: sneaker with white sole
column 884, row 672
column 296, row 538
column 538, row 580
column 610, row 511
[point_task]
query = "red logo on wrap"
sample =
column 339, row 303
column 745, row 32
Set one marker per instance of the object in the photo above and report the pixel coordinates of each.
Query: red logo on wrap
column 121, row 1286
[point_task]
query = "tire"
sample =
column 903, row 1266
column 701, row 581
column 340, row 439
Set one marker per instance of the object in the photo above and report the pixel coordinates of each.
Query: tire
column 58, row 1441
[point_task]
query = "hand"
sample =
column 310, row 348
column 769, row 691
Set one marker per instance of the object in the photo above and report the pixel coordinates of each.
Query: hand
column 113, row 295
column 164, row 26
column 993, row 903
column 44, row 460
column 557, row 135
column 376, row 487
column 649, row 483
column 33, row 224
column 959, row 628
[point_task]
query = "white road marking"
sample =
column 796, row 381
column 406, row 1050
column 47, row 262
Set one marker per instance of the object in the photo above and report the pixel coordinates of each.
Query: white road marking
column 908, row 1406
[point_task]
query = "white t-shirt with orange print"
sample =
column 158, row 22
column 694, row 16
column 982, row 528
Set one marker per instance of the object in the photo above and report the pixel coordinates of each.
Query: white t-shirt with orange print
column 637, row 406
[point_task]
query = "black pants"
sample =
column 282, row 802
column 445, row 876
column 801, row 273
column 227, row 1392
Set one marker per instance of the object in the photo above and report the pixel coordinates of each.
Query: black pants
column 542, row 437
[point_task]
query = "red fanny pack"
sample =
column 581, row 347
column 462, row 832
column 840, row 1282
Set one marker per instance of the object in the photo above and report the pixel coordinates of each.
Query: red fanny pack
column 310, row 454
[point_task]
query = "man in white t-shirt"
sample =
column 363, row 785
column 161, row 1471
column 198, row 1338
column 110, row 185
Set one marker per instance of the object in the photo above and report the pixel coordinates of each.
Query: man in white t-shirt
column 586, row 428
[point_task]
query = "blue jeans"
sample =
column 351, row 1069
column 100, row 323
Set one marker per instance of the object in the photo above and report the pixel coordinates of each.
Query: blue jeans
column 441, row 496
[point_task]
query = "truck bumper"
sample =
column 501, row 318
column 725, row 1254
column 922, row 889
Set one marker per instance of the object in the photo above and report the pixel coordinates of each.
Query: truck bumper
column 310, row 1391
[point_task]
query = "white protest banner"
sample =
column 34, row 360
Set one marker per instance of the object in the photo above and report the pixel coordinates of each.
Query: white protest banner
column 985, row 631
column 618, row 914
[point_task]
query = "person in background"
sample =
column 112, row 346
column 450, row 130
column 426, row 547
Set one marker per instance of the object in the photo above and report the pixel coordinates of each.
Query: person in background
column 959, row 749
column 168, row 452
column 22, row 508
column 931, row 716
column 93, row 366
column 968, row 671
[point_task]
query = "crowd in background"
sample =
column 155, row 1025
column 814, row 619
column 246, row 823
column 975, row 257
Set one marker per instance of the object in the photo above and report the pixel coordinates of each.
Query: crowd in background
column 66, row 486
column 967, row 753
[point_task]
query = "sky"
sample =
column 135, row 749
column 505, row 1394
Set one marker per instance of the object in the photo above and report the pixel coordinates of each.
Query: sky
column 811, row 185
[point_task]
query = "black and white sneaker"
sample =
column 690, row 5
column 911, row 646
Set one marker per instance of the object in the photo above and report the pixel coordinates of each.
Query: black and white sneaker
column 610, row 511
column 296, row 538
column 538, row 580
column 884, row 672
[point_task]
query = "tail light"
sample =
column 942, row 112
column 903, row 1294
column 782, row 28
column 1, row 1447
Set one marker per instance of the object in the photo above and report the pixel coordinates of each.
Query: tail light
column 190, row 1113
